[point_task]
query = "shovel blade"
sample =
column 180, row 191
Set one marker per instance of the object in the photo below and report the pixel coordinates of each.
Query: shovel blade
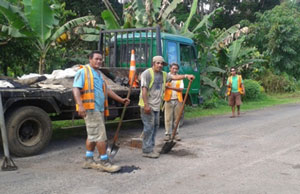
column 167, row 147
column 112, row 151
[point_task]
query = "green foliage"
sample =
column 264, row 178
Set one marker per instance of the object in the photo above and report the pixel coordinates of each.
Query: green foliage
column 298, row 85
column 268, row 101
column 109, row 20
column 278, row 83
column 90, row 7
column 189, row 19
column 17, row 57
column 140, row 13
column 150, row 13
column 182, row 12
column 236, row 10
column 215, row 51
column 38, row 21
column 240, row 56
column 276, row 35
column 254, row 90
column 213, row 102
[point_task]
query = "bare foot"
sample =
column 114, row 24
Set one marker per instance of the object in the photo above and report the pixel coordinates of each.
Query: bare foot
column 232, row 116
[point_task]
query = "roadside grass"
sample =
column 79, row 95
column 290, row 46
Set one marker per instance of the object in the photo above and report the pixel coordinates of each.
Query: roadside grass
column 76, row 128
column 68, row 128
column 268, row 101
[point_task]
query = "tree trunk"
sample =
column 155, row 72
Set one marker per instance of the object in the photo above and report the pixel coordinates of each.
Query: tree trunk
column 4, row 68
column 202, row 9
column 109, row 7
column 212, row 5
column 148, row 7
column 42, row 64
column 198, row 8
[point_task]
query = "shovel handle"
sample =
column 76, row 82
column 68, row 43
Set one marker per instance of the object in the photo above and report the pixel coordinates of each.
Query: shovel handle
column 181, row 110
column 124, row 110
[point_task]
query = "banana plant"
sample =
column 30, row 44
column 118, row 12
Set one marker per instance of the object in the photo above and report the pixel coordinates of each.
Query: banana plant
column 138, row 14
column 238, row 56
column 152, row 13
column 217, row 54
column 145, row 13
column 209, row 43
column 37, row 20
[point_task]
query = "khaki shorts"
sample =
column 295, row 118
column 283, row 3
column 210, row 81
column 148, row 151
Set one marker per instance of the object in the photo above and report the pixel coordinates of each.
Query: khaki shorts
column 95, row 127
column 234, row 99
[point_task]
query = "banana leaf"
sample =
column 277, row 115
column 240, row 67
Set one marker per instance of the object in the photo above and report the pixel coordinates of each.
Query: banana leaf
column 234, row 50
column 170, row 8
column 10, row 31
column 109, row 20
column 41, row 20
column 223, row 36
column 89, row 37
column 211, row 69
column 206, row 20
column 71, row 24
column 192, row 13
column 209, row 82
column 156, row 5
column 15, row 17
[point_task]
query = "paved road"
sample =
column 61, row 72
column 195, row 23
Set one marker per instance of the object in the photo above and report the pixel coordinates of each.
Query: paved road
column 256, row 153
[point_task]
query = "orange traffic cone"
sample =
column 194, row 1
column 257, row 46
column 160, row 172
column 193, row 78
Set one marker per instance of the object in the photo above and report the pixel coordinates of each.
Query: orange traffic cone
column 132, row 74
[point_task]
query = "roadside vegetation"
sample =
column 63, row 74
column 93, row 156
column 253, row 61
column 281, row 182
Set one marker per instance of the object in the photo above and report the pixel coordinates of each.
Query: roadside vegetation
column 221, row 107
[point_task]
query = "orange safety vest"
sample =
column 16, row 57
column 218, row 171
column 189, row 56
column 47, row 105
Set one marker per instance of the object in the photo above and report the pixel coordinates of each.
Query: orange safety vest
column 87, row 92
column 240, row 89
column 168, row 92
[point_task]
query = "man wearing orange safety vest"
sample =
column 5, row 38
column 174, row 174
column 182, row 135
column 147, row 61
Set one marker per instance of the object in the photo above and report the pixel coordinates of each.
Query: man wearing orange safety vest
column 153, row 81
column 235, row 87
column 90, row 93
column 173, row 102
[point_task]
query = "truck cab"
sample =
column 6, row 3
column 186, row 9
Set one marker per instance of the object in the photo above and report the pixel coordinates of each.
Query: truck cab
column 181, row 50
column 116, row 46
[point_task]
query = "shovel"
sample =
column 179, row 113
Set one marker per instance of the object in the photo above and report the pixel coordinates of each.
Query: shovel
column 114, row 148
column 170, row 144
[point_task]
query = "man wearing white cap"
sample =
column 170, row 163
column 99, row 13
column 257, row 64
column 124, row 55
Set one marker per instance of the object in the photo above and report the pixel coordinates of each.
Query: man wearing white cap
column 153, row 81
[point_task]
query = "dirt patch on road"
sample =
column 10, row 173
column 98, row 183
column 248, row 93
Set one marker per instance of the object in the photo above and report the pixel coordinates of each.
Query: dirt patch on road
column 183, row 153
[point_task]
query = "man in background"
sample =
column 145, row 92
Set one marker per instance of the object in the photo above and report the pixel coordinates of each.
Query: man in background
column 173, row 103
column 235, row 88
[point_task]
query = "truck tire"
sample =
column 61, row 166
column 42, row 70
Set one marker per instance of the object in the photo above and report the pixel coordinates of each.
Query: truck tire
column 29, row 130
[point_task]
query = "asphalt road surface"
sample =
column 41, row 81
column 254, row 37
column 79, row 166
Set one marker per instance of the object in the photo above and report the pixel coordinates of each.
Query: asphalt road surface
column 256, row 153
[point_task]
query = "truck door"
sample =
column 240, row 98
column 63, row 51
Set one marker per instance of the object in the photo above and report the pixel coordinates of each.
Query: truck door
column 188, row 65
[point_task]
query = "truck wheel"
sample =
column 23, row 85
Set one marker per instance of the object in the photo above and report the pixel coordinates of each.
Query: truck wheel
column 29, row 130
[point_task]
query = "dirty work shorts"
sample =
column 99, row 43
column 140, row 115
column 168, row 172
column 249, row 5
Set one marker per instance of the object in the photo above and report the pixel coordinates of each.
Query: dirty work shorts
column 234, row 99
column 95, row 127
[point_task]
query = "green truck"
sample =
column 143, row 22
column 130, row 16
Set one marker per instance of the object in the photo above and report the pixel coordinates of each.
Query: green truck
column 116, row 46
